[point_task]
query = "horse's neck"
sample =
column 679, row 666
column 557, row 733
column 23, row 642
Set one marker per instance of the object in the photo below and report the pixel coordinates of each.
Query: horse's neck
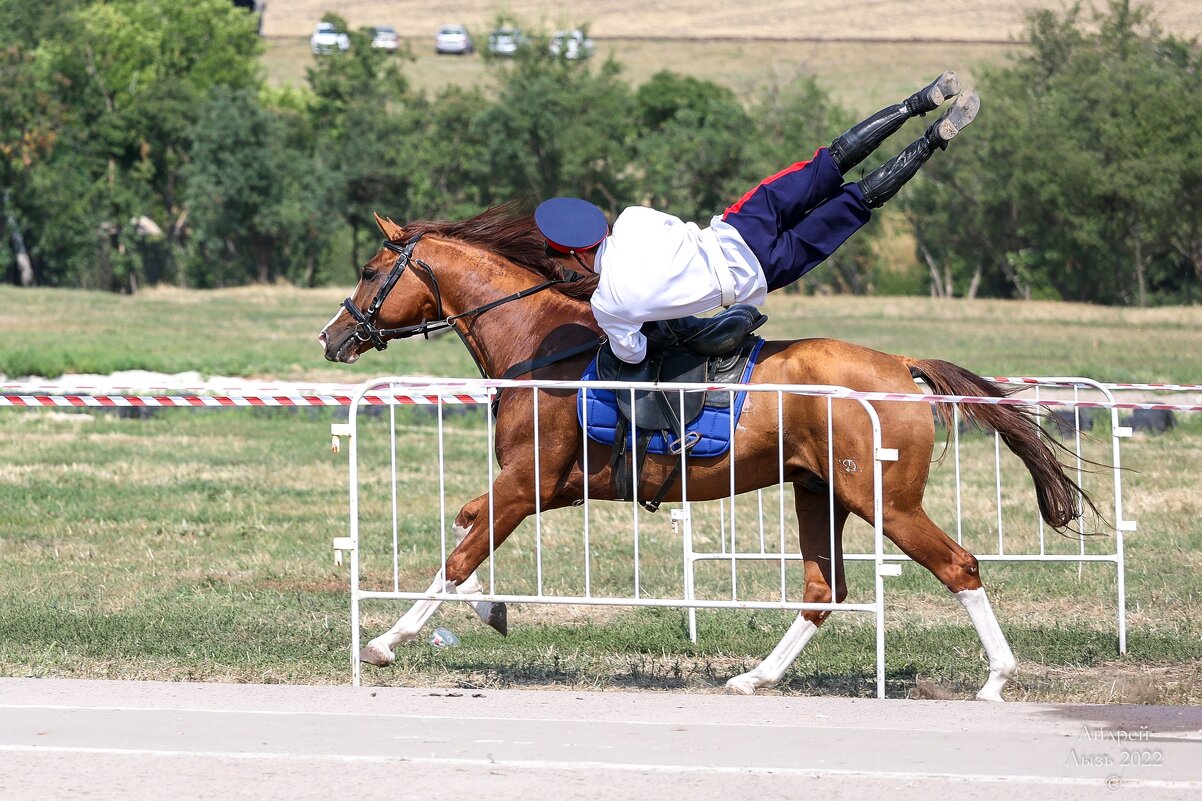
column 514, row 331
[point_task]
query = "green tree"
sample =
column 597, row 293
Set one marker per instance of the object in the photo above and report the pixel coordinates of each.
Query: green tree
column 249, row 195
column 693, row 155
column 1080, row 181
column 362, row 121
column 558, row 127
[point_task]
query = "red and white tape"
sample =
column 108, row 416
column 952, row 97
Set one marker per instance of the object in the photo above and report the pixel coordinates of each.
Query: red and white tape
column 229, row 401
column 1147, row 387
column 467, row 398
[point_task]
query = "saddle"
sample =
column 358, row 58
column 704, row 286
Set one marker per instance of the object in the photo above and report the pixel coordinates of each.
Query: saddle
column 686, row 350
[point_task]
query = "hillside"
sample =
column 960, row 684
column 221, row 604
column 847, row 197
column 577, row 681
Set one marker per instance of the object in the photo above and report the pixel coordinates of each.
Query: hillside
column 878, row 20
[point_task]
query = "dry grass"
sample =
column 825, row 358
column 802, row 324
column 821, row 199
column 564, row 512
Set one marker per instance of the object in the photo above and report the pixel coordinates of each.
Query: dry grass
column 924, row 20
column 862, row 76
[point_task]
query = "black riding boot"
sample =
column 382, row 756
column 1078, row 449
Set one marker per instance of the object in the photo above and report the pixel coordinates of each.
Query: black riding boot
column 861, row 139
column 882, row 183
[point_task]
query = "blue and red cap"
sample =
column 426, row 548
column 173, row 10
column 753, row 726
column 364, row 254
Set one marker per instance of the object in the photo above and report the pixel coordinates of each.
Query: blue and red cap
column 571, row 224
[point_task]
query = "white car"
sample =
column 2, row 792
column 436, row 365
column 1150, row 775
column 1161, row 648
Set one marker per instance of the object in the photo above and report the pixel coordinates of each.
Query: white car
column 505, row 41
column 385, row 38
column 572, row 45
column 453, row 39
column 327, row 38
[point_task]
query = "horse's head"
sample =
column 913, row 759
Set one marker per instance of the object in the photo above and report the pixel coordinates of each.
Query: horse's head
column 397, row 296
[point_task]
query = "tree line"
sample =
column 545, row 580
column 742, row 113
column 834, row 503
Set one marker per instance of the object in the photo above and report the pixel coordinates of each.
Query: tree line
column 140, row 144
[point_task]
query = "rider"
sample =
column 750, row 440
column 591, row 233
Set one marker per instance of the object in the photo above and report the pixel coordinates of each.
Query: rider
column 654, row 266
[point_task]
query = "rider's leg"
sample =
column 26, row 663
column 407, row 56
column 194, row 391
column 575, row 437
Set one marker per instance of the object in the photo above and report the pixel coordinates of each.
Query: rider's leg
column 782, row 200
column 781, row 203
column 797, row 250
column 881, row 184
column 861, row 139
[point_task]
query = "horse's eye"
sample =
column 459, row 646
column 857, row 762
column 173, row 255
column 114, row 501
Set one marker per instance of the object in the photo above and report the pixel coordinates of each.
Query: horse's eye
column 369, row 273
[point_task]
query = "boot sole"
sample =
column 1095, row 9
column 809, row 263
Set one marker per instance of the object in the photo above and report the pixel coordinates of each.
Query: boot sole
column 958, row 116
column 945, row 87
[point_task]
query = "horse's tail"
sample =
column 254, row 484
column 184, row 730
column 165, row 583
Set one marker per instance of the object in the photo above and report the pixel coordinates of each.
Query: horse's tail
column 1061, row 500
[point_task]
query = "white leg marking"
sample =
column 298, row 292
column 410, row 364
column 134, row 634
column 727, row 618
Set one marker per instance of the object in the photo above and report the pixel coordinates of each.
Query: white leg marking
column 770, row 671
column 379, row 651
column 1002, row 666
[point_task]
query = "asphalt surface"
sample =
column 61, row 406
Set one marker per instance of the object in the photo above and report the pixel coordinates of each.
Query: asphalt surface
column 137, row 741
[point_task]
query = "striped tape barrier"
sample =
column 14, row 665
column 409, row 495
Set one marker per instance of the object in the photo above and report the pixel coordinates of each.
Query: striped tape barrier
column 466, row 398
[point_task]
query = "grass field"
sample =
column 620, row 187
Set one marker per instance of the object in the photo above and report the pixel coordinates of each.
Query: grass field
column 270, row 333
column 864, row 54
column 861, row 76
column 924, row 20
column 196, row 545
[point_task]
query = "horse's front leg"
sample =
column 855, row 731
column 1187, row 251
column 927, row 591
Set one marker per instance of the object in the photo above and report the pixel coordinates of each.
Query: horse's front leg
column 457, row 576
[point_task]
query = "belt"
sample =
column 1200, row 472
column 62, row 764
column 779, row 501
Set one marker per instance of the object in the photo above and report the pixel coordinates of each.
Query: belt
column 726, row 282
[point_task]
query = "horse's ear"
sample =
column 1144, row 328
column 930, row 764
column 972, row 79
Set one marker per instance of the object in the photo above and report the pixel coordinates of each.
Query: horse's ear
column 391, row 230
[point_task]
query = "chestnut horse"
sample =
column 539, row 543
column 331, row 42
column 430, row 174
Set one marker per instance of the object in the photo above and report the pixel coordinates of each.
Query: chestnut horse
column 437, row 275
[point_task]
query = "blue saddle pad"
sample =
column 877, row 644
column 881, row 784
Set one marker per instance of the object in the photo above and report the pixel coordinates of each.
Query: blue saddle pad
column 713, row 424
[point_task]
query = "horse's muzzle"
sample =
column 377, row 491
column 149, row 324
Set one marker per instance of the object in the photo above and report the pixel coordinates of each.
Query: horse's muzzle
column 343, row 351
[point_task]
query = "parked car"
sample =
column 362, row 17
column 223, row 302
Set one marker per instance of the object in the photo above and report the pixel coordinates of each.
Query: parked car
column 505, row 41
column 453, row 39
column 572, row 44
column 327, row 38
column 385, row 38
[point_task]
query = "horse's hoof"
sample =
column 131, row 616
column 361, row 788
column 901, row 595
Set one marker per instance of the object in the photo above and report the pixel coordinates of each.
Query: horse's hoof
column 995, row 697
column 741, row 685
column 378, row 655
column 498, row 618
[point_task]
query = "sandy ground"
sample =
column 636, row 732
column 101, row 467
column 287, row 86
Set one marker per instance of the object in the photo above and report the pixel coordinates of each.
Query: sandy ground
column 150, row 740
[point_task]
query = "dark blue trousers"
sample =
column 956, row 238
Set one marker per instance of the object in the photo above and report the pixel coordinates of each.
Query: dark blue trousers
column 797, row 218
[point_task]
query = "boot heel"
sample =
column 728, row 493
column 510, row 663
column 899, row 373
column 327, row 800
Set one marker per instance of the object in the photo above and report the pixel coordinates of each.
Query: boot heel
column 955, row 120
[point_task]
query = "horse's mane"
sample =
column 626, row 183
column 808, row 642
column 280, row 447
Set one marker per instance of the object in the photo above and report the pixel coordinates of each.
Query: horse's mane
column 508, row 231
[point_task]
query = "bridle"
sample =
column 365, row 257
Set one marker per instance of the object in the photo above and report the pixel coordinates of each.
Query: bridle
column 367, row 331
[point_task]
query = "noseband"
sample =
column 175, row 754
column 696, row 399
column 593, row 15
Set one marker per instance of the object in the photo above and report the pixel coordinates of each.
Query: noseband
column 367, row 331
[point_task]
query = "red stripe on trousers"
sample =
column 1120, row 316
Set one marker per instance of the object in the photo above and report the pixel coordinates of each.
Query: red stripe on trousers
column 793, row 168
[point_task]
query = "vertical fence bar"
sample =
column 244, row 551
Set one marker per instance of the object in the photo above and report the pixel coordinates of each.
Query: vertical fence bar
column 492, row 532
column 959, row 486
column 442, row 484
column 997, row 472
column 1120, row 525
column 538, row 496
column 353, row 477
column 588, row 579
column 1080, row 474
column 396, row 571
column 780, row 486
column 1038, row 516
column 830, row 496
column 878, row 530
column 635, row 480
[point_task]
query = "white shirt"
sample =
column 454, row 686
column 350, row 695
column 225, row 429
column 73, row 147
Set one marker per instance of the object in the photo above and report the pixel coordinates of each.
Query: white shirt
column 654, row 266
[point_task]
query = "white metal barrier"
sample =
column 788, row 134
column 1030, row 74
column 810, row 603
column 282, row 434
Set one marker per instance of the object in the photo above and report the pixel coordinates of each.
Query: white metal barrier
column 1107, row 549
column 560, row 569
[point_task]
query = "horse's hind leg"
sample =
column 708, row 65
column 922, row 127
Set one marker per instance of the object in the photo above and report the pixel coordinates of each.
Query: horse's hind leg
column 380, row 650
column 814, row 520
column 927, row 544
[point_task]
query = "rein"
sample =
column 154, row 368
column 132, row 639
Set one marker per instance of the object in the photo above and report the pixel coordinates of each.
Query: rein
column 367, row 331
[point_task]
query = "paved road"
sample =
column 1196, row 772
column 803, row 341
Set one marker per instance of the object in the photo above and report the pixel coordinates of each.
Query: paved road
column 138, row 741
